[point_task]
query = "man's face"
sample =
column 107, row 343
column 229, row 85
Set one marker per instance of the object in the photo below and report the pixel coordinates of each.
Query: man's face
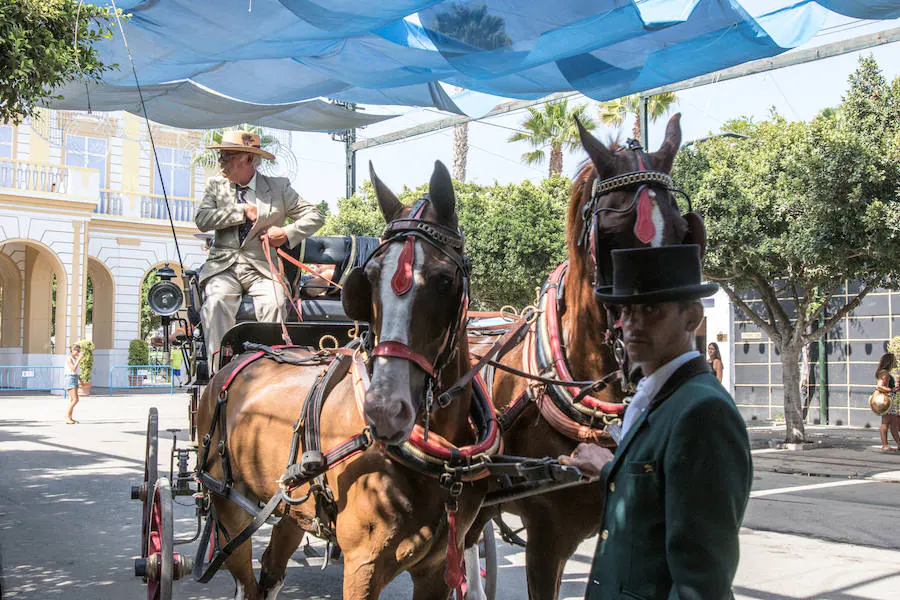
column 237, row 167
column 654, row 334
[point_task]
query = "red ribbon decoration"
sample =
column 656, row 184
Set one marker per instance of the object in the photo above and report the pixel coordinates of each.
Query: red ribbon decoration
column 402, row 280
column 644, row 229
column 455, row 573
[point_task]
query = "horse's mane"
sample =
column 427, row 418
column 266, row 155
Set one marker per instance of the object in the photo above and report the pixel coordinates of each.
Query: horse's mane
column 578, row 277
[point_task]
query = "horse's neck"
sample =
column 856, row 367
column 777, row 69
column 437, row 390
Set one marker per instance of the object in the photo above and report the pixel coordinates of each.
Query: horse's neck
column 452, row 422
column 584, row 328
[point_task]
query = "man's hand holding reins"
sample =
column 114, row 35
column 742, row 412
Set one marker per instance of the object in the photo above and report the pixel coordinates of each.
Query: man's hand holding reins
column 588, row 458
column 277, row 236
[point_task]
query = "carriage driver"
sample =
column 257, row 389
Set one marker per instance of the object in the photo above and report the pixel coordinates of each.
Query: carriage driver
column 241, row 206
column 678, row 484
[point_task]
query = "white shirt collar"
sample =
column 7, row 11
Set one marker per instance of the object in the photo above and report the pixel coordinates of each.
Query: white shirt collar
column 649, row 387
column 252, row 184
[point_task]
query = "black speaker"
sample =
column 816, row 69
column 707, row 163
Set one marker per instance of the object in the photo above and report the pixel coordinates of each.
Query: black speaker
column 165, row 298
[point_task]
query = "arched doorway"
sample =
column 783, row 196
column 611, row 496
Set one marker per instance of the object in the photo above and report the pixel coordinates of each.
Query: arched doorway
column 10, row 303
column 101, row 315
column 44, row 291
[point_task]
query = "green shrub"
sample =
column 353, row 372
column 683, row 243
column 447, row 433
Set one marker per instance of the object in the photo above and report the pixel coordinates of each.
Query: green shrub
column 138, row 353
column 87, row 361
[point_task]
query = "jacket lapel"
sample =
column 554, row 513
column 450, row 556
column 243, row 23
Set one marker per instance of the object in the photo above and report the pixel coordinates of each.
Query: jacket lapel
column 686, row 371
column 263, row 196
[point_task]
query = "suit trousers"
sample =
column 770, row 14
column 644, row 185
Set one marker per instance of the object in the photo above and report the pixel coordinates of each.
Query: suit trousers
column 222, row 299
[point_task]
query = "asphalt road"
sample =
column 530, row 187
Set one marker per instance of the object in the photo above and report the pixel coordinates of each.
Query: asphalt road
column 69, row 530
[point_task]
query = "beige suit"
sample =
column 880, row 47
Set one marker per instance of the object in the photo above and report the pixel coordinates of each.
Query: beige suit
column 233, row 268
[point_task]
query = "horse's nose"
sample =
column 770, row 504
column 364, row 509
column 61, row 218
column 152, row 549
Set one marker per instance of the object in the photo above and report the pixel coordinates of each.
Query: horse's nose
column 391, row 419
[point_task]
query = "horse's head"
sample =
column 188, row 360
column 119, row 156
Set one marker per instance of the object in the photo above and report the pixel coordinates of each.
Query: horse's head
column 414, row 292
column 624, row 200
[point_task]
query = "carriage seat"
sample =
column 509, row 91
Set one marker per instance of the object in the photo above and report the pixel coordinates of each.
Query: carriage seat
column 318, row 302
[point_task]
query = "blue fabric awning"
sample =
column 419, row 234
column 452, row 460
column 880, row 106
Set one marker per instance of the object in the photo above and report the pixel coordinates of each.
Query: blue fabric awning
column 272, row 61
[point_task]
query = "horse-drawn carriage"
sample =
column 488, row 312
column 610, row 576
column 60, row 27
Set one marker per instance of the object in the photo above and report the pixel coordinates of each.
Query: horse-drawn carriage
column 402, row 467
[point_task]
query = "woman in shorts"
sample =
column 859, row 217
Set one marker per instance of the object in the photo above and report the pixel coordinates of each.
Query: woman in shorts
column 70, row 380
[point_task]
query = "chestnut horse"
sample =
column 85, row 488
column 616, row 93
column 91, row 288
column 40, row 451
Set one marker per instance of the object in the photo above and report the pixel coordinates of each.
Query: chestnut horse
column 557, row 522
column 390, row 518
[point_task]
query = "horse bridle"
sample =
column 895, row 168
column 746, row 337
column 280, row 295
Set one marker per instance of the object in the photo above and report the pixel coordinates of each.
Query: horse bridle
column 449, row 243
column 643, row 180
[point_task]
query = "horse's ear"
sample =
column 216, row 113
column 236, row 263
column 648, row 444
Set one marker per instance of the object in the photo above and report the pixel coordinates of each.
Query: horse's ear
column 604, row 160
column 696, row 232
column 356, row 297
column 663, row 158
column 440, row 192
column 390, row 205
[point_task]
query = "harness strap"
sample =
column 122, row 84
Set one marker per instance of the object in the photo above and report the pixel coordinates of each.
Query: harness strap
column 501, row 347
column 278, row 277
column 401, row 350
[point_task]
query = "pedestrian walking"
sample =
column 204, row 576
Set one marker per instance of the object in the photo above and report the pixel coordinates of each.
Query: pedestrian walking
column 70, row 380
column 714, row 360
column 678, row 484
column 176, row 360
column 884, row 382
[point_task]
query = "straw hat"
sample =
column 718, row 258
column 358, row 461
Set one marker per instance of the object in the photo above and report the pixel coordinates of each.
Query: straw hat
column 241, row 141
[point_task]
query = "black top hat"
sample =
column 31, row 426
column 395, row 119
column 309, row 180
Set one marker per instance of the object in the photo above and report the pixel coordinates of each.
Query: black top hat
column 651, row 275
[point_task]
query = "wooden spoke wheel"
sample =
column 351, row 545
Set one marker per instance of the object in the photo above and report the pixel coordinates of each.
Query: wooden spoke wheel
column 160, row 566
column 487, row 558
column 151, row 474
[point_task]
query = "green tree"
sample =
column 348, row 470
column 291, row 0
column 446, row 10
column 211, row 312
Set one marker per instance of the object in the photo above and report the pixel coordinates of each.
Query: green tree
column 552, row 125
column 794, row 212
column 150, row 321
column 515, row 234
column 45, row 44
column 614, row 112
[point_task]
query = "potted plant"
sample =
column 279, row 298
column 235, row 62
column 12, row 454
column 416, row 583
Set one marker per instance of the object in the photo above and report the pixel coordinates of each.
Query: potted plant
column 138, row 356
column 87, row 367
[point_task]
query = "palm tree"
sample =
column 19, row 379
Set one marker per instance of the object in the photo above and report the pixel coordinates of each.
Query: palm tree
column 476, row 27
column 209, row 159
column 614, row 112
column 554, row 126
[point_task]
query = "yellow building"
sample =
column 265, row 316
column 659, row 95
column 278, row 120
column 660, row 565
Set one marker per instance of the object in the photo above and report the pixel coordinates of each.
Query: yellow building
column 80, row 198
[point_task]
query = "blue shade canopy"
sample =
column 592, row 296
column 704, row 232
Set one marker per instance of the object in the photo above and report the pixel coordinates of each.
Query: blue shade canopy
column 209, row 63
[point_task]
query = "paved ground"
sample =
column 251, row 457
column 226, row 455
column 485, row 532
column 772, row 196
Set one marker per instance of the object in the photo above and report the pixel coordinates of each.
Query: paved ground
column 816, row 526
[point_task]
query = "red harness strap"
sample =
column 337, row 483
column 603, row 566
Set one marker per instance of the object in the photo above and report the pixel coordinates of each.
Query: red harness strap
column 401, row 350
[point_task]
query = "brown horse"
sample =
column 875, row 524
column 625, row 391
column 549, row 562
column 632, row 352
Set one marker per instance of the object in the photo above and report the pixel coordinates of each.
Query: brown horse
column 390, row 518
column 557, row 522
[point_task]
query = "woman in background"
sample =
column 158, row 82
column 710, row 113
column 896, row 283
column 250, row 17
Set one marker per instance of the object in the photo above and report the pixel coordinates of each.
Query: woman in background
column 884, row 382
column 714, row 360
column 70, row 380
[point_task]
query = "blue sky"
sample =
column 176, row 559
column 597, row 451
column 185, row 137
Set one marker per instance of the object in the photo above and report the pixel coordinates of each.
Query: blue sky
column 796, row 92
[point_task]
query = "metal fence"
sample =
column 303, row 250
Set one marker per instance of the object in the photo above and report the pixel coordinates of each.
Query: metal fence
column 141, row 377
column 19, row 378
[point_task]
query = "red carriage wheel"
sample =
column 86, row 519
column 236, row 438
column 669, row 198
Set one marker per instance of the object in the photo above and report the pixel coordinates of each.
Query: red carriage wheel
column 144, row 491
column 487, row 550
column 160, row 566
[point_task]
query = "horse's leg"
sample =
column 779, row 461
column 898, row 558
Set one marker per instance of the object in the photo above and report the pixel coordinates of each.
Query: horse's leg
column 551, row 541
column 286, row 536
column 428, row 582
column 240, row 563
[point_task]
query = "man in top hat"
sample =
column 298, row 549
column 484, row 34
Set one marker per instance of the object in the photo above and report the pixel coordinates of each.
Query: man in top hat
column 678, row 484
column 241, row 206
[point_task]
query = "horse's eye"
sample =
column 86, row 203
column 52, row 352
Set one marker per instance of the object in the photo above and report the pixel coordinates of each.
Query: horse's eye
column 444, row 283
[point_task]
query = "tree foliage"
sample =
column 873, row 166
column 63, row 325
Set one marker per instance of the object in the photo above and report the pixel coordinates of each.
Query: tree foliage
column 799, row 208
column 552, row 125
column 515, row 234
column 45, row 44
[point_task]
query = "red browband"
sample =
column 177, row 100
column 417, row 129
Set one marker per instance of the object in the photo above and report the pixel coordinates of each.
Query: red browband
column 401, row 350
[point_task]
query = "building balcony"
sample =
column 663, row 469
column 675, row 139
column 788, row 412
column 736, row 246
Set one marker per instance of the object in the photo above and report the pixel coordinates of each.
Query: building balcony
column 62, row 183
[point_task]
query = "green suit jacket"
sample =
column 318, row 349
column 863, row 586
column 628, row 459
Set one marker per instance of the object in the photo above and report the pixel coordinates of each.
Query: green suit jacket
column 220, row 211
column 676, row 493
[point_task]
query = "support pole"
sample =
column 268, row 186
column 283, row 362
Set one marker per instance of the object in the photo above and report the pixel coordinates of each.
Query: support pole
column 644, row 120
column 348, row 137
